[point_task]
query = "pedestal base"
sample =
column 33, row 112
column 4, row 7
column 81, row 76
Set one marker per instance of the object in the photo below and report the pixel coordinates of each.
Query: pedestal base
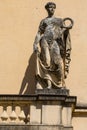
column 53, row 91
column 53, row 107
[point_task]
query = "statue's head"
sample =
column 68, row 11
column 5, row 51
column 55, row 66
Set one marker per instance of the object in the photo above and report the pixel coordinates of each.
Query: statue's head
column 50, row 7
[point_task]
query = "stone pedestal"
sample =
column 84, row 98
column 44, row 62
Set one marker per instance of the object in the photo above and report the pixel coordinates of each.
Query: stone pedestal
column 60, row 91
column 53, row 107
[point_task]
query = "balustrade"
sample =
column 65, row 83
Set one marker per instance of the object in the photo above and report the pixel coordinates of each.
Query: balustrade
column 36, row 109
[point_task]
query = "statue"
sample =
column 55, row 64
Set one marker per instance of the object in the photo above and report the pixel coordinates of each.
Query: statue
column 53, row 47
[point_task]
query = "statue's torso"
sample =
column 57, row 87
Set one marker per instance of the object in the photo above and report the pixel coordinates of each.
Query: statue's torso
column 52, row 27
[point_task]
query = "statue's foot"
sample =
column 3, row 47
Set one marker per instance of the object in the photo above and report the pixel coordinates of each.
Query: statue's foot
column 63, row 84
column 38, row 86
column 63, row 87
column 49, row 87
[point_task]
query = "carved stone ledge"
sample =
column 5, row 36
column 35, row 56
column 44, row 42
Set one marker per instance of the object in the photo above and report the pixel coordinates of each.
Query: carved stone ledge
column 40, row 96
column 34, row 127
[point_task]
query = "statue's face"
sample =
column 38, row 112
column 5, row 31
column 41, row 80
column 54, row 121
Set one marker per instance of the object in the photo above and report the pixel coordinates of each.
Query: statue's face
column 51, row 9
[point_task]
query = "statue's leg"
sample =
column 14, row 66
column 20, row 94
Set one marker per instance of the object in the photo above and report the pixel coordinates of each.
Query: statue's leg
column 63, row 76
column 45, row 52
column 56, row 57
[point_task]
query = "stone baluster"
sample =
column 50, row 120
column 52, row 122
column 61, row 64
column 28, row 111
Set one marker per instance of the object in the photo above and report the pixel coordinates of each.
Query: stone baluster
column 4, row 115
column 22, row 115
column 13, row 115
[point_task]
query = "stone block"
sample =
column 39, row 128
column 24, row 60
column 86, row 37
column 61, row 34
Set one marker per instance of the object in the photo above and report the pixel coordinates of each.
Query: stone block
column 67, row 116
column 52, row 91
column 51, row 114
column 35, row 113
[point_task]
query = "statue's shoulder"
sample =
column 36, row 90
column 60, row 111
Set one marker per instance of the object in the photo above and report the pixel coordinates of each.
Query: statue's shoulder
column 44, row 20
column 42, row 25
column 59, row 19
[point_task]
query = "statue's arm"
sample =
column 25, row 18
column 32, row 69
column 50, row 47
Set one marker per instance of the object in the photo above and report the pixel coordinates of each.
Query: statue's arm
column 36, row 41
column 38, row 36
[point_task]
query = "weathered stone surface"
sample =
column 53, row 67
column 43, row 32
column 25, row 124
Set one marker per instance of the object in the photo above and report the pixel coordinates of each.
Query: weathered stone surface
column 34, row 127
column 36, row 97
column 35, row 113
column 52, row 114
column 53, row 91
column 44, row 109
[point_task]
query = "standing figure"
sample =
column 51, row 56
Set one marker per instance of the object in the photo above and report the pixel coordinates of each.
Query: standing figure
column 53, row 47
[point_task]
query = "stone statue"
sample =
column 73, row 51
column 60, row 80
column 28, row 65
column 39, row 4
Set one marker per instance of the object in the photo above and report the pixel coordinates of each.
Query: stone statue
column 53, row 47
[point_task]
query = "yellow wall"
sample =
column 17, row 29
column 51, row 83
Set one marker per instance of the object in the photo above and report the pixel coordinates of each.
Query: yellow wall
column 19, row 20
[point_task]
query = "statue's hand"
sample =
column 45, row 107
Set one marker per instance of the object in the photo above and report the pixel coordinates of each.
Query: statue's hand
column 35, row 48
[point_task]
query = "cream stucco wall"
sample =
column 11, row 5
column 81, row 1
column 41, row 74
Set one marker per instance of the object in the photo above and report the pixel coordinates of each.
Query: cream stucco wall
column 19, row 20
column 79, row 123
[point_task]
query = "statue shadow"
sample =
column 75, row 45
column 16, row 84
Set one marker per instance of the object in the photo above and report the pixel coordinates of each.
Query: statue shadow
column 28, row 82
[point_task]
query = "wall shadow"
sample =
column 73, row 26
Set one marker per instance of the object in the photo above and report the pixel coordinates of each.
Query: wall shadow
column 80, row 114
column 28, row 82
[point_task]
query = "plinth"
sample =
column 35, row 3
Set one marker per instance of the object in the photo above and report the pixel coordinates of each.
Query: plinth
column 63, row 91
column 53, row 108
